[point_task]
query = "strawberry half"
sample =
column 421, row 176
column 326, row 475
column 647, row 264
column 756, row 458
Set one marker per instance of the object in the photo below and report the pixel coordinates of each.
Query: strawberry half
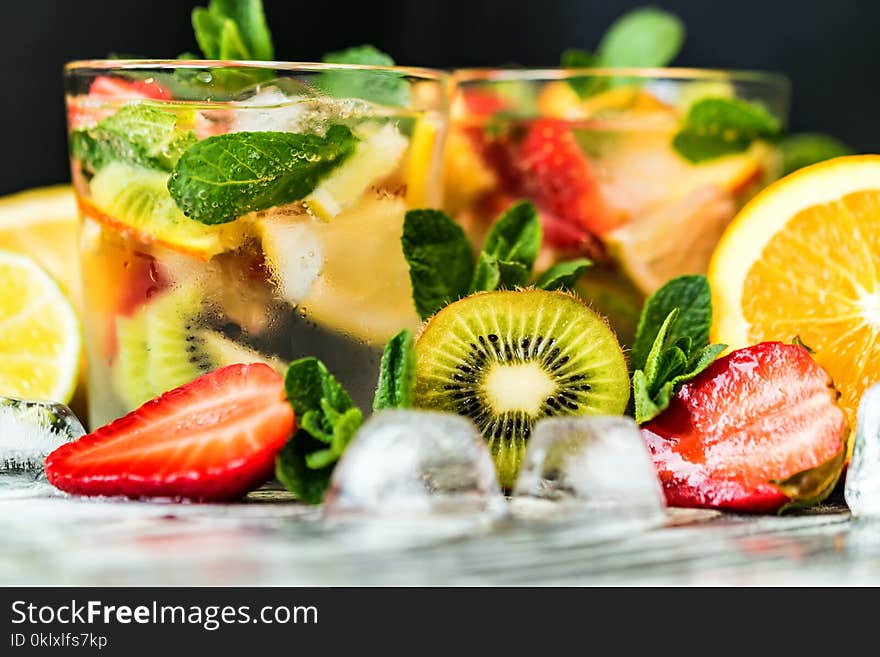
column 758, row 430
column 110, row 88
column 557, row 176
column 212, row 439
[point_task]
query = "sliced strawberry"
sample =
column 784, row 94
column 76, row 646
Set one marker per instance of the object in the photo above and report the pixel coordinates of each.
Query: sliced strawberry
column 557, row 176
column 482, row 103
column 110, row 88
column 759, row 415
column 212, row 439
column 499, row 155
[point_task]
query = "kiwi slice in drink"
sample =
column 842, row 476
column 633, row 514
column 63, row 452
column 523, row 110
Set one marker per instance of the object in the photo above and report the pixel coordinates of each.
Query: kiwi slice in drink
column 507, row 359
column 166, row 344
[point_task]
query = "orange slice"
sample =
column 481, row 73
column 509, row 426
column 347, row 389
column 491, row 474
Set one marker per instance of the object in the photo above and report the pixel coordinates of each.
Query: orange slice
column 802, row 259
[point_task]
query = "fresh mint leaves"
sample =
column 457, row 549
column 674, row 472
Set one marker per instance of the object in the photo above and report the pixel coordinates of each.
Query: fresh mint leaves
column 137, row 134
column 801, row 150
column 440, row 258
column 326, row 419
column 397, row 373
column 441, row 261
column 380, row 87
column 672, row 343
column 643, row 37
column 718, row 126
column 233, row 29
column 226, row 176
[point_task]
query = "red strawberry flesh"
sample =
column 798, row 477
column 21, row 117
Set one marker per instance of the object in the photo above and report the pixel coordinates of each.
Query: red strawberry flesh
column 212, row 439
column 760, row 414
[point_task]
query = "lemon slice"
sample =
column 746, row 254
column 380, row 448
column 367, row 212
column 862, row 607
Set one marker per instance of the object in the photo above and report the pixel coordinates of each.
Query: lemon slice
column 421, row 166
column 375, row 157
column 42, row 223
column 39, row 333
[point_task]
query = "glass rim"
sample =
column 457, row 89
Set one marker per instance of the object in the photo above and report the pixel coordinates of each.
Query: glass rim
column 111, row 65
column 488, row 74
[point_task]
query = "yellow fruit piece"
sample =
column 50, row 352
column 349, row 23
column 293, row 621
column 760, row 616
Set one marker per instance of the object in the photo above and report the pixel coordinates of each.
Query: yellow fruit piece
column 39, row 333
column 559, row 100
column 802, row 259
column 364, row 288
column 374, row 159
column 466, row 175
column 42, row 223
column 422, row 165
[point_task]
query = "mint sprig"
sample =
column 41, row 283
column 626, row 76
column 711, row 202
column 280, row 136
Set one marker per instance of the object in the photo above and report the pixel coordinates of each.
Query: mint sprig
column 381, row 87
column 138, row 134
column 804, row 149
column 672, row 343
column 397, row 373
column 233, row 29
column 717, row 126
column 441, row 260
column 326, row 419
column 227, row 176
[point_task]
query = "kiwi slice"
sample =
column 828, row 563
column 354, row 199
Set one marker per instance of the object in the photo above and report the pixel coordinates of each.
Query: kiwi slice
column 507, row 359
column 166, row 345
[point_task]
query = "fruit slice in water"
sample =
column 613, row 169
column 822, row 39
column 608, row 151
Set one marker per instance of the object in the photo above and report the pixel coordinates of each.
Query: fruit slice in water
column 213, row 439
column 165, row 345
column 375, row 157
column 421, row 165
column 39, row 333
column 506, row 359
column 803, row 259
column 291, row 250
column 364, row 288
column 136, row 200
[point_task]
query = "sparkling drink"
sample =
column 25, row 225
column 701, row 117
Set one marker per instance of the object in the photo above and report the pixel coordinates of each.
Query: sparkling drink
column 245, row 214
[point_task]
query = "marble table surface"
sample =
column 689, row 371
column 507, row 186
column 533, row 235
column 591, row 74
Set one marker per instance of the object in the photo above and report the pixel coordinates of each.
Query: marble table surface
column 269, row 540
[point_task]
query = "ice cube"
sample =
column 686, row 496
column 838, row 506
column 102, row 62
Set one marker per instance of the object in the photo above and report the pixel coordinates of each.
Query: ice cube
column 272, row 109
column 30, row 430
column 592, row 468
column 408, row 463
column 862, row 490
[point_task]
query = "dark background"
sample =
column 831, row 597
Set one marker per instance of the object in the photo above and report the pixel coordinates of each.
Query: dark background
column 829, row 49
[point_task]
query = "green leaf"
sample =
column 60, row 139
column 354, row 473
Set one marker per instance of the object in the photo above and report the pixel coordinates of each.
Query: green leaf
column 233, row 29
column 441, row 262
column 584, row 86
column 487, row 274
column 227, row 176
column 327, row 421
column 643, row 37
column 397, row 373
column 801, row 150
column 381, row 87
column 691, row 295
column 563, row 275
column 671, row 364
column 717, row 126
column 138, row 134
column 516, row 236
column 652, row 360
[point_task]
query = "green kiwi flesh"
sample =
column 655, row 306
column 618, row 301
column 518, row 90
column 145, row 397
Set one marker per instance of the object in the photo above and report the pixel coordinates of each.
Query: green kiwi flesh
column 507, row 359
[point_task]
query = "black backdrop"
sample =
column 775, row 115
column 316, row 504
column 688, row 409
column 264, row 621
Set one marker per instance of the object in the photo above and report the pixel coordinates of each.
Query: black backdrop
column 830, row 50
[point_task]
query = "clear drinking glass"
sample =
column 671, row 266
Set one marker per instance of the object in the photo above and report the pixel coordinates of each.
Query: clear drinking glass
column 202, row 248
column 596, row 150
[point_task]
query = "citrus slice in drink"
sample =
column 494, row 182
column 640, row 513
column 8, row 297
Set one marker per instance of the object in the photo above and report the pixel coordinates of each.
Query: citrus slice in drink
column 375, row 158
column 42, row 223
column 802, row 260
column 39, row 333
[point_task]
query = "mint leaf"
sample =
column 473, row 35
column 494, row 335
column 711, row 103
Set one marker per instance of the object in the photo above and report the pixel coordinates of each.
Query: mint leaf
column 584, row 86
column 715, row 127
column 397, row 373
column 381, row 87
column 643, row 37
column 138, row 134
column 441, row 262
column 692, row 297
column 227, row 176
column 233, row 29
column 327, row 421
column 808, row 148
column 510, row 250
column 563, row 275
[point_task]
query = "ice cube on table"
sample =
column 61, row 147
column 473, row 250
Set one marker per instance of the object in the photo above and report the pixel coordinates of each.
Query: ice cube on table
column 30, row 430
column 862, row 489
column 409, row 463
column 591, row 468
